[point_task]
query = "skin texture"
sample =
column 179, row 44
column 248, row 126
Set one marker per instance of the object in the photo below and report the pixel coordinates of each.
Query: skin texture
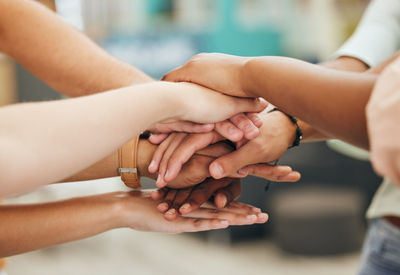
column 22, row 22
column 276, row 135
column 88, row 216
column 37, row 135
column 29, row 227
column 310, row 92
column 190, row 181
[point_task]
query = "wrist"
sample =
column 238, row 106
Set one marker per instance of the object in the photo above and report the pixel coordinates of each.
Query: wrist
column 145, row 155
column 247, row 77
column 287, row 127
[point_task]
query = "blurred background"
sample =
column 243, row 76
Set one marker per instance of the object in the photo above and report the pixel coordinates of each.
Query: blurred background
column 316, row 226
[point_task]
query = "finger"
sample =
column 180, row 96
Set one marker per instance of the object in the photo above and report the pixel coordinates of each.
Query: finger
column 188, row 147
column 241, row 205
column 158, row 194
column 180, row 198
column 229, row 131
column 246, row 125
column 187, row 224
column 232, row 218
column 176, row 75
column 165, row 205
column 167, row 155
column 256, row 119
column 229, row 165
column 202, row 193
column 247, row 105
column 238, row 207
column 193, row 172
column 228, row 194
column 159, row 153
column 274, row 173
column 183, row 126
column 157, row 138
column 216, row 150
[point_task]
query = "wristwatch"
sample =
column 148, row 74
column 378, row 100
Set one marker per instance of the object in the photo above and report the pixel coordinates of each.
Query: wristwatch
column 128, row 170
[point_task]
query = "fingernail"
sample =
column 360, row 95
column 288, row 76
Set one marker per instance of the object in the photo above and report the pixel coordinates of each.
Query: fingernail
column 152, row 165
column 224, row 200
column 217, row 170
column 186, row 206
column 251, row 218
column 263, row 216
column 171, row 211
column 162, row 207
column 242, row 172
column 256, row 209
column 248, row 128
column 166, row 174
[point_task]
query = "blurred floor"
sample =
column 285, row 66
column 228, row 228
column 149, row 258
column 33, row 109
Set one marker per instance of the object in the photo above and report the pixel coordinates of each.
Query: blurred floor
column 125, row 251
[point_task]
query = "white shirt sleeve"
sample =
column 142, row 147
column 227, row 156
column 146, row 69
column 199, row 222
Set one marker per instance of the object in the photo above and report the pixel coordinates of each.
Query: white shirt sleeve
column 377, row 37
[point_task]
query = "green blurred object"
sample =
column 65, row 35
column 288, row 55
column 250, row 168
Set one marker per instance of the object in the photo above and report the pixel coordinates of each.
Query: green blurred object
column 229, row 37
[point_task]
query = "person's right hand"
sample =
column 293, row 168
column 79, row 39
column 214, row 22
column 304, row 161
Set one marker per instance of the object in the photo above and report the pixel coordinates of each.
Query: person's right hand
column 198, row 104
column 139, row 212
column 220, row 72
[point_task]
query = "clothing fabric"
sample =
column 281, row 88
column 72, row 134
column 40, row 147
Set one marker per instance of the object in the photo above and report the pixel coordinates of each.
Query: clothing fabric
column 383, row 116
column 377, row 37
column 381, row 251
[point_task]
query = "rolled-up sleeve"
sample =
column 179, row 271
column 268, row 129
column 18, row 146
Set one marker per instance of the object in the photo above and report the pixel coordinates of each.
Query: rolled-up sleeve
column 377, row 37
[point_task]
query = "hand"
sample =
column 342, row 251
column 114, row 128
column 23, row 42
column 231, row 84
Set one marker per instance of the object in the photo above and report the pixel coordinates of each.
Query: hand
column 180, row 126
column 194, row 171
column 277, row 134
column 224, row 191
column 139, row 212
column 220, row 72
column 234, row 129
column 201, row 105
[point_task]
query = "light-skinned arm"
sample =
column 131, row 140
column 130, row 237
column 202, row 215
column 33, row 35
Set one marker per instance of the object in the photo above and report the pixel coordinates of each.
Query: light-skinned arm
column 42, row 143
column 74, row 65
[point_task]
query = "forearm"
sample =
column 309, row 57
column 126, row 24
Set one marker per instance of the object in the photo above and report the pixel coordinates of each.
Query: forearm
column 344, row 63
column 108, row 167
column 50, row 141
column 25, row 228
column 331, row 101
column 58, row 54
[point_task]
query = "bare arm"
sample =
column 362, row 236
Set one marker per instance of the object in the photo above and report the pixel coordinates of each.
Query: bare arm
column 332, row 101
column 50, row 141
column 344, row 63
column 25, row 228
column 58, row 54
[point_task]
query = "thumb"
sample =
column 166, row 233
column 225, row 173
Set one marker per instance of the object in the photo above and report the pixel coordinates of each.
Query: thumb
column 176, row 75
column 228, row 165
column 249, row 105
column 156, row 139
